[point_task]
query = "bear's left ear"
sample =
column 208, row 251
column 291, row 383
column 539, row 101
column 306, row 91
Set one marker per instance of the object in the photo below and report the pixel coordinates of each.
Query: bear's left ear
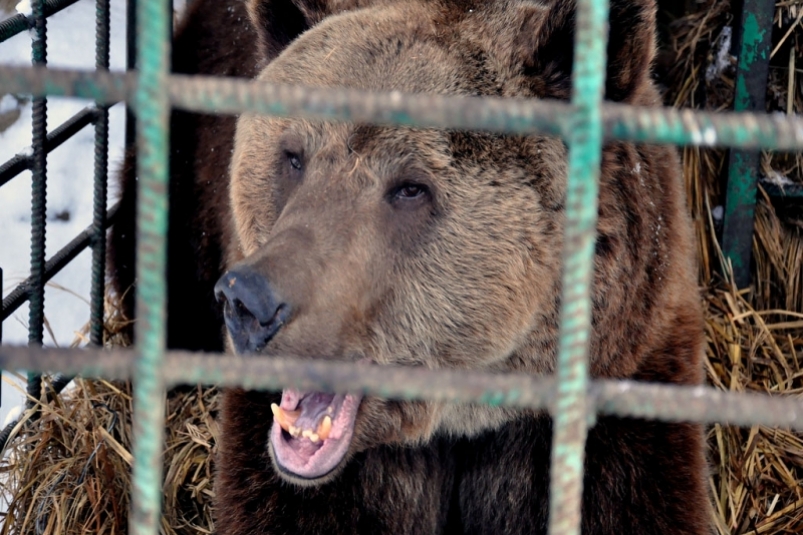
column 279, row 22
column 545, row 44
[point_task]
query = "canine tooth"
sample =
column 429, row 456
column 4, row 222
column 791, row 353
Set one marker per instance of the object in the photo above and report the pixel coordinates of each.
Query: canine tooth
column 278, row 415
column 324, row 428
column 285, row 418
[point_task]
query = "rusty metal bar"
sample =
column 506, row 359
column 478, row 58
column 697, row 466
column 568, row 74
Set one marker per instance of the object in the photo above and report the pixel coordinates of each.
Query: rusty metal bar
column 232, row 96
column 623, row 398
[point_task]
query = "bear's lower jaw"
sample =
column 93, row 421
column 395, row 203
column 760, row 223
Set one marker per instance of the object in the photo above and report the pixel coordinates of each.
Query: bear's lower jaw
column 311, row 452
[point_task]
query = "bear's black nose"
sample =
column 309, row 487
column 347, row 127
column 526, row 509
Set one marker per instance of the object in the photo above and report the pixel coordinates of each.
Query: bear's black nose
column 252, row 310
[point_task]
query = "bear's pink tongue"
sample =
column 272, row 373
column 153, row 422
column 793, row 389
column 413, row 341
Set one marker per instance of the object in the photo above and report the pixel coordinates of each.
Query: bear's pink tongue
column 312, row 431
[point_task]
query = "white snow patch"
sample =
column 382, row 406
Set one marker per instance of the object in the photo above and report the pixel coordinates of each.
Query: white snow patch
column 778, row 179
column 723, row 58
column 24, row 8
column 71, row 45
column 12, row 415
column 8, row 103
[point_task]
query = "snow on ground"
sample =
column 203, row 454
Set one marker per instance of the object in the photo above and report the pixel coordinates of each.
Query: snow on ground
column 70, row 44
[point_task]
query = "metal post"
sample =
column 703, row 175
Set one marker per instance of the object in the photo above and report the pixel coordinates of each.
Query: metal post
column 571, row 409
column 97, row 292
column 152, row 109
column 754, row 44
column 130, row 65
column 38, row 198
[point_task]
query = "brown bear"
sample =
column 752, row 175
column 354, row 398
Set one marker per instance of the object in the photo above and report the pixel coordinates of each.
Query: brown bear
column 423, row 247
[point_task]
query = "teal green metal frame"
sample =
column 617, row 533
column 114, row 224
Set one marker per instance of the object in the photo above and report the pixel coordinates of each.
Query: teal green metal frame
column 754, row 43
column 584, row 123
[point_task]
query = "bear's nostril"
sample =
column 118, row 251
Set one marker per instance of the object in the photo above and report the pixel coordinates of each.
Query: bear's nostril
column 251, row 309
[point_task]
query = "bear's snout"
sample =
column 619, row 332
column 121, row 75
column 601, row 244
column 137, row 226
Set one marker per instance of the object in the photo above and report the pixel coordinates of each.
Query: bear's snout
column 252, row 309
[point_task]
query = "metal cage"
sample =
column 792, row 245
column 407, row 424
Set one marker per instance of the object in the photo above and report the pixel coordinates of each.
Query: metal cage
column 584, row 123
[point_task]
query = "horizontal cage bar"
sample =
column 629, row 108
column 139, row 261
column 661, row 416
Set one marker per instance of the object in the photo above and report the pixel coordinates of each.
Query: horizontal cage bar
column 622, row 398
column 19, row 23
column 59, row 135
column 232, row 96
column 56, row 263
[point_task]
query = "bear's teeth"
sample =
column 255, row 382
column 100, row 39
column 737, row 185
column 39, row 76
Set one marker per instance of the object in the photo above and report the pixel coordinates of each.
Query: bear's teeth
column 324, row 428
column 313, row 437
column 286, row 419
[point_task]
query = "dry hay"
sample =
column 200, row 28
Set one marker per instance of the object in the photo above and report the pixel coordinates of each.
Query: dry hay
column 757, row 473
column 755, row 339
column 68, row 472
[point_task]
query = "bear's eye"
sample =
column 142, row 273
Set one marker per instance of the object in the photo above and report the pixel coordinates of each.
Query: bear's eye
column 410, row 191
column 294, row 160
column 409, row 196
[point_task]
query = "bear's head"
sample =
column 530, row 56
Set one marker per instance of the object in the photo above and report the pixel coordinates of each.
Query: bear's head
column 416, row 247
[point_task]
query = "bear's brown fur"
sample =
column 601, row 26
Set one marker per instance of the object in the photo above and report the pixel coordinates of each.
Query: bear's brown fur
column 459, row 270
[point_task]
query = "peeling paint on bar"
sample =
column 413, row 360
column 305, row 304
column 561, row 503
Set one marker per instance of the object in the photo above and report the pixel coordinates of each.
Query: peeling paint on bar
column 570, row 416
column 755, row 41
column 152, row 110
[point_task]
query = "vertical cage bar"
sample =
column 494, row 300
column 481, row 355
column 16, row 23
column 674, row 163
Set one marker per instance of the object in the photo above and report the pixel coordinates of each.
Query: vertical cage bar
column 754, row 44
column 152, row 110
column 100, row 181
column 130, row 65
column 38, row 197
column 1, row 328
column 570, row 418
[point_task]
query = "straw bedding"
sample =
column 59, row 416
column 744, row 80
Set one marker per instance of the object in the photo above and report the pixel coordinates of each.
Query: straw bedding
column 68, row 471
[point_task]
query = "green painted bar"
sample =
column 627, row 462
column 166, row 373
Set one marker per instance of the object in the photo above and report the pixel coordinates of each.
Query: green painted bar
column 623, row 398
column 744, row 166
column 232, row 96
column 152, row 108
column 571, row 409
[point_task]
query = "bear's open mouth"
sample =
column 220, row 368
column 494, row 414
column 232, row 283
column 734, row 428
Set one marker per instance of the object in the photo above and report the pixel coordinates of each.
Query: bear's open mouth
column 312, row 431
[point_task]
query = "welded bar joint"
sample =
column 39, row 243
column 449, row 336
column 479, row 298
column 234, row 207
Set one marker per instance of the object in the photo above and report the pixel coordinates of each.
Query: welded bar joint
column 19, row 22
column 55, row 138
column 56, row 263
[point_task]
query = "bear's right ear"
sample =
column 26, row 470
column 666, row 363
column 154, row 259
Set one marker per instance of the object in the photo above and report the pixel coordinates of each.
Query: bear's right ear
column 279, row 22
column 544, row 44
